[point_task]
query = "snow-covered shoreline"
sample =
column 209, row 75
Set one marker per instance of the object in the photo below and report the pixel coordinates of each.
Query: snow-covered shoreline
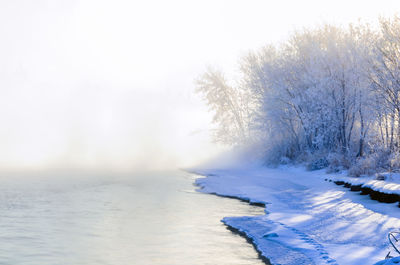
column 308, row 220
column 387, row 190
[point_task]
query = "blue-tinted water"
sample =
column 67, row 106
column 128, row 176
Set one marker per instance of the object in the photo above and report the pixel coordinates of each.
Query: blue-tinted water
column 132, row 219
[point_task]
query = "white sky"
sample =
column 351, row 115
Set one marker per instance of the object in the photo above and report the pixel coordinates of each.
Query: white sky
column 94, row 83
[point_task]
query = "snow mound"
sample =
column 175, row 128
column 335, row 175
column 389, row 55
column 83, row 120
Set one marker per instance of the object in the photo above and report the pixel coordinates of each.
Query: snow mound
column 391, row 261
column 382, row 186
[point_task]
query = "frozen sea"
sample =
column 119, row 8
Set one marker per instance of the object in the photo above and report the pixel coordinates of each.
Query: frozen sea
column 85, row 218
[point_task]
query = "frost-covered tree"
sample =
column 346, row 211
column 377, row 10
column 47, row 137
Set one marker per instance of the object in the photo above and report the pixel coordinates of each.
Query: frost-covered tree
column 228, row 105
column 385, row 76
column 324, row 91
column 311, row 88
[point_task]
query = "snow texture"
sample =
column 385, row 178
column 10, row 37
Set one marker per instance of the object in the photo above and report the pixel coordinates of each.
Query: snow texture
column 308, row 220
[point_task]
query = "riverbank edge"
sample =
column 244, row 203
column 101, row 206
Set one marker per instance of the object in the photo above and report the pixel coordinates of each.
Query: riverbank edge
column 373, row 188
column 233, row 229
column 203, row 188
column 249, row 239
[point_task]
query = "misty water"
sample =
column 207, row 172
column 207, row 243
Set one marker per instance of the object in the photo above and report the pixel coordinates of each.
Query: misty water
column 81, row 218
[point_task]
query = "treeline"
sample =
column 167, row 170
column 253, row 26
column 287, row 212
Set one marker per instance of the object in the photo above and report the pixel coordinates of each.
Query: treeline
column 328, row 96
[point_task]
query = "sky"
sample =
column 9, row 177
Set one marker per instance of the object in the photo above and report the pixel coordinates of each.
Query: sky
column 110, row 84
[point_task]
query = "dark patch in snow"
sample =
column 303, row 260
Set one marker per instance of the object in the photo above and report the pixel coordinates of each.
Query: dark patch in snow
column 355, row 188
column 373, row 194
column 318, row 164
column 339, row 182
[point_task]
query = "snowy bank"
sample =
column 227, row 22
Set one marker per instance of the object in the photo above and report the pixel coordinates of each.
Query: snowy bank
column 387, row 190
column 389, row 261
column 308, row 220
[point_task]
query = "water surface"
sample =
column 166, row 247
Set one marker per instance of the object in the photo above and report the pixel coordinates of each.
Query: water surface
column 136, row 219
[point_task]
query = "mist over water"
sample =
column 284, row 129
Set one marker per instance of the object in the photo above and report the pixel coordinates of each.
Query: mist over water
column 100, row 84
column 84, row 85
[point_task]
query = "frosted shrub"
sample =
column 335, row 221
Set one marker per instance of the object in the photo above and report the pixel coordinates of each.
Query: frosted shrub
column 394, row 161
column 338, row 162
column 279, row 152
column 304, row 157
column 382, row 159
column 274, row 154
column 285, row 160
column 363, row 166
column 318, row 164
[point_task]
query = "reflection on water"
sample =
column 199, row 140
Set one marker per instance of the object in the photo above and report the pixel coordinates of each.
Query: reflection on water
column 152, row 219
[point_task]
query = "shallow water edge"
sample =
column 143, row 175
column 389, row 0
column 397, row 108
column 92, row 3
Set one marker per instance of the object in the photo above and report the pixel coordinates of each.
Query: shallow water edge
column 232, row 228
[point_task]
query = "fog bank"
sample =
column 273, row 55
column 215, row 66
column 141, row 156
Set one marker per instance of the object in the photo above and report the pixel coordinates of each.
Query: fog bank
column 109, row 85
